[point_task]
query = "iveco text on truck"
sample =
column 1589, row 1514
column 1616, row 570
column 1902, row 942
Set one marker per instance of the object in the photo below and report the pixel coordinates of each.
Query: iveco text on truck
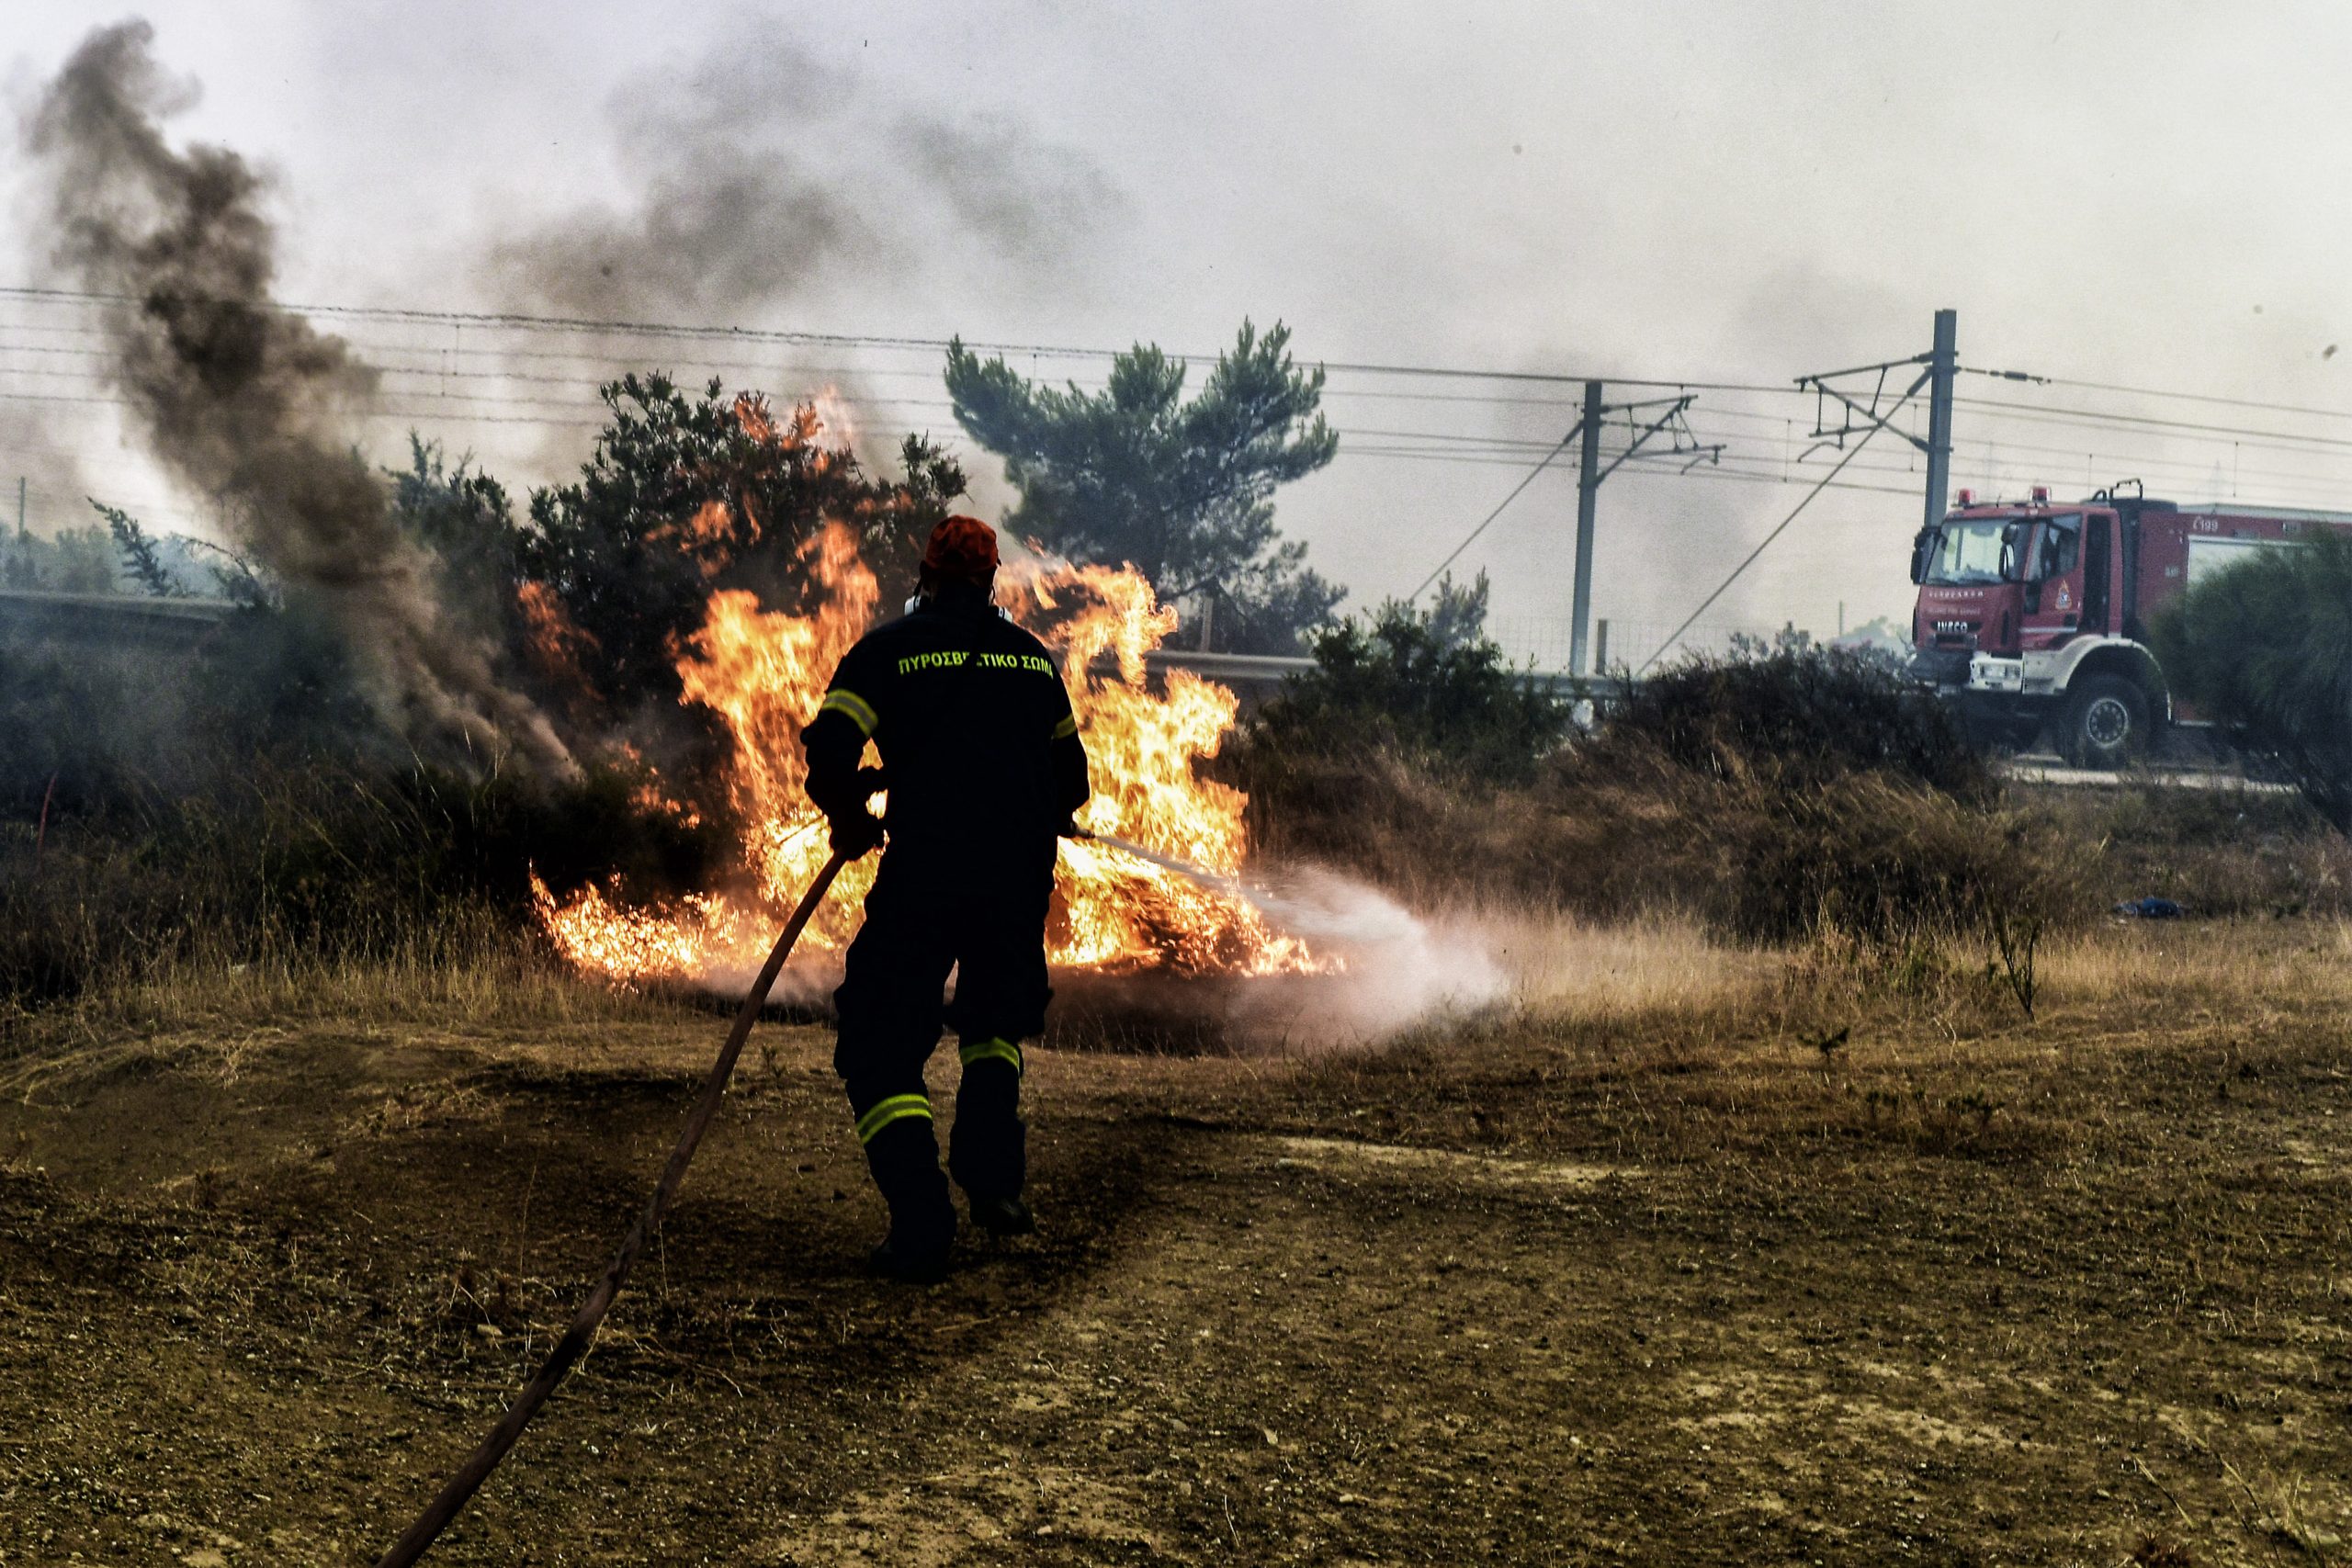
column 2034, row 614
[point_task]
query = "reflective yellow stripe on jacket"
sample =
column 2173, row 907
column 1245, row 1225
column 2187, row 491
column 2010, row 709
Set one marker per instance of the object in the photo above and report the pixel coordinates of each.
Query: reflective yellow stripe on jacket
column 861, row 712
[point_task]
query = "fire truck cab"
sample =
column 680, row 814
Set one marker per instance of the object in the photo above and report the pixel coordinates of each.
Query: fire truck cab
column 2033, row 614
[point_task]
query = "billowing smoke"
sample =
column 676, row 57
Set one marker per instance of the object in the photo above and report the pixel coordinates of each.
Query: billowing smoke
column 760, row 175
column 245, row 402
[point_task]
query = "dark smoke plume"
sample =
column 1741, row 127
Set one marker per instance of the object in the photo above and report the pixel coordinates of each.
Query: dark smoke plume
column 762, row 174
column 244, row 402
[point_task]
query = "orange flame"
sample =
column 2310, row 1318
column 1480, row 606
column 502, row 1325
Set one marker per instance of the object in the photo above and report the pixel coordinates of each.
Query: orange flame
column 1143, row 748
column 764, row 674
column 556, row 641
column 830, row 412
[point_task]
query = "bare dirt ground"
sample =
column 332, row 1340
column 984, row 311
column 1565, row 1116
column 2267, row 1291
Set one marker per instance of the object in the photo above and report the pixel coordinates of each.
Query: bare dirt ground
column 1677, row 1282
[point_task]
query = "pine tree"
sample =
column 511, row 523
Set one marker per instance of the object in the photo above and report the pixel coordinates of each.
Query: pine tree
column 1182, row 491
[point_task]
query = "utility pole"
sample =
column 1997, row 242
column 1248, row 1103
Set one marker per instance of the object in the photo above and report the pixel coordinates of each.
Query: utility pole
column 1941, row 365
column 1588, row 491
column 1667, row 421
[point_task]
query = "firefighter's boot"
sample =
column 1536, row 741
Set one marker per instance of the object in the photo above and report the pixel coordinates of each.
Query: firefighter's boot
column 988, row 1152
column 1003, row 1217
column 904, row 1156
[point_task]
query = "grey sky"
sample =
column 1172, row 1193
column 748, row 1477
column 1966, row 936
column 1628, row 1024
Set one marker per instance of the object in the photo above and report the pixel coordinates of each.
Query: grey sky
column 1714, row 191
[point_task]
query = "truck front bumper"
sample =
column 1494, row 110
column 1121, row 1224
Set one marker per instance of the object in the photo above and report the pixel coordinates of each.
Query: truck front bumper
column 1999, row 677
column 1989, row 695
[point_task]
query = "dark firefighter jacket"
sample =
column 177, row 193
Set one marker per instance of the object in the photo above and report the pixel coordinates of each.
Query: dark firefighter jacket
column 974, row 726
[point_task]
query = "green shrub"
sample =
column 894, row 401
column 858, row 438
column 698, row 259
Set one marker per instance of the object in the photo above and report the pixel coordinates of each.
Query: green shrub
column 1428, row 685
column 2265, row 647
column 1798, row 714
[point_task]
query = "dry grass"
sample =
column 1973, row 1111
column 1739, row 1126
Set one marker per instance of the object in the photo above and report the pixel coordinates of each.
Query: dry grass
column 2222, row 852
column 467, row 974
column 1563, row 965
column 2140, row 963
column 1747, row 852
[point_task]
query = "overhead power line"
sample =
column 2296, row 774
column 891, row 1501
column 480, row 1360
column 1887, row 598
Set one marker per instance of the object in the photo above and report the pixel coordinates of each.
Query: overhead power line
column 1489, row 517
column 2173, row 394
column 409, row 396
column 2053, row 414
column 526, row 322
column 1749, row 559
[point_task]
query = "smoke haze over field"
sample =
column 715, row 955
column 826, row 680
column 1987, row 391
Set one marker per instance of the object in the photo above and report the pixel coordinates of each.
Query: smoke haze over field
column 245, row 403
column 1708, row 189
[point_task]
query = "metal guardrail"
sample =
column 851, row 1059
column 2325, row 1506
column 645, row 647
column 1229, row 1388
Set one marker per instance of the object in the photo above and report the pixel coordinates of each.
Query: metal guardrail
column 1259, row 673
column 109, row 618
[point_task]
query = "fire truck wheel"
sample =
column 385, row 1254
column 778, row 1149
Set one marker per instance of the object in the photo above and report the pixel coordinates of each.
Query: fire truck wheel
column 2107, row 722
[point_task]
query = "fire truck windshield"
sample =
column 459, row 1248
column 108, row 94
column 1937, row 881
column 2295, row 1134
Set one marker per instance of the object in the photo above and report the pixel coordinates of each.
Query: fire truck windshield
column 1981, row 551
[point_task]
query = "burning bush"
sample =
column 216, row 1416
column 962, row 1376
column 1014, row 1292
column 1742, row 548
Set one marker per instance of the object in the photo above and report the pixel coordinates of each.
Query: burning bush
column 689, row 495
column 763, row 673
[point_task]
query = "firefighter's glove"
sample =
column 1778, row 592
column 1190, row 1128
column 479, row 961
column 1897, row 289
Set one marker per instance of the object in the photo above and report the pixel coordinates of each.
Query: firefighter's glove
column 855, row 833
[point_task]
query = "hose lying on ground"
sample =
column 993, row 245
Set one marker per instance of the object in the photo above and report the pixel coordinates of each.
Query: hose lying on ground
column 574, row 1344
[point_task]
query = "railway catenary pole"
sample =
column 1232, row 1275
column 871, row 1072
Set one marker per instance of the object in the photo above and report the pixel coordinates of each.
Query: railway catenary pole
column 1861, row 421
column 1588, row 491
column 1941, row 362
column 1681, row 445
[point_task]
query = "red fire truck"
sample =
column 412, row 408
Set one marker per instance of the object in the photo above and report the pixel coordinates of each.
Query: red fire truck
column 2034, row 614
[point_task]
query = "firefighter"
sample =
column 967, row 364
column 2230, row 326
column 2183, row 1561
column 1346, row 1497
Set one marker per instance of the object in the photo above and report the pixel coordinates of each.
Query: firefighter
column 984, row 769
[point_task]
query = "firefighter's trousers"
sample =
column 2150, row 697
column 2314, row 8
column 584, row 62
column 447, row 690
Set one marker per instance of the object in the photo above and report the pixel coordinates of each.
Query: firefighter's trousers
column 983, row 917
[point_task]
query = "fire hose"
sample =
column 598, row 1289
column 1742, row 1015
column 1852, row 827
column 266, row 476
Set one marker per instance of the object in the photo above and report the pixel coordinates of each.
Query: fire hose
column 576, row 1339
column 461, row 1486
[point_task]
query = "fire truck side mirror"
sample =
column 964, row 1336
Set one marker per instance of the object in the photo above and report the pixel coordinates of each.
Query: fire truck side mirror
column 1922, row 545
